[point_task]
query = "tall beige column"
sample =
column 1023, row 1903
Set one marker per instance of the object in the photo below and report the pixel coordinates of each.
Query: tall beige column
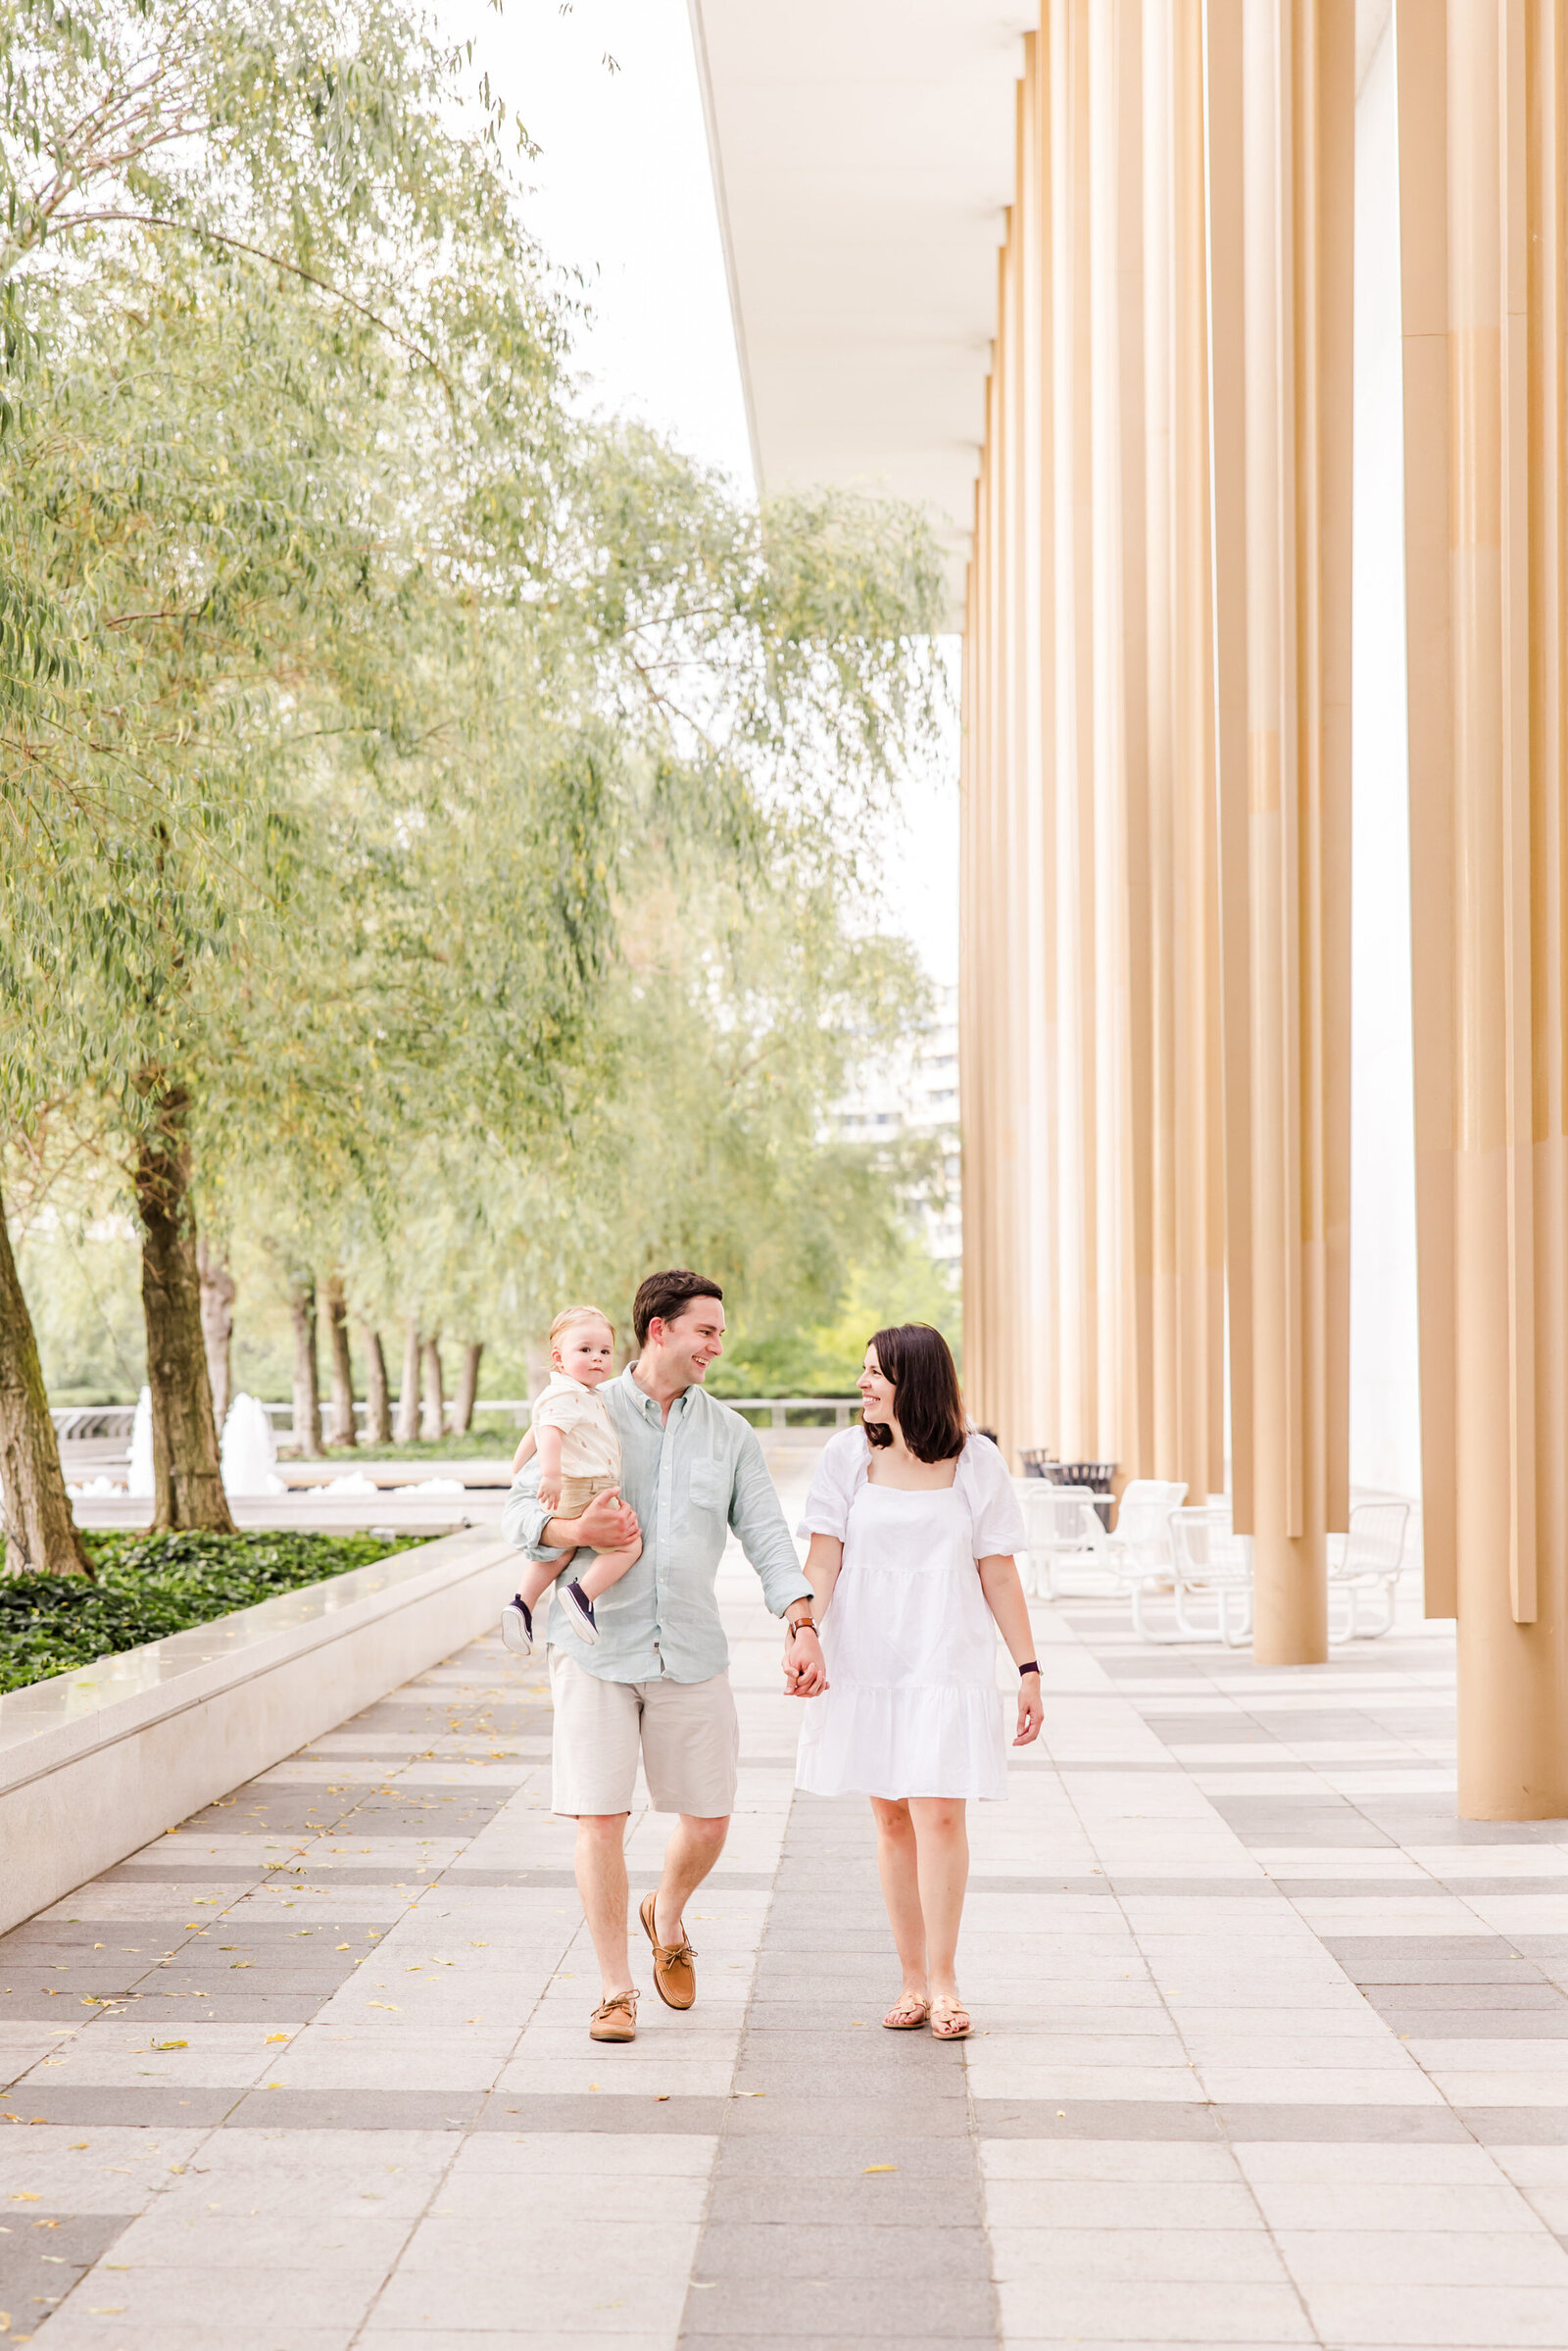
column 1177, row 1136
column 1281, row 126
column 1091, row 1081
column 1484, row 193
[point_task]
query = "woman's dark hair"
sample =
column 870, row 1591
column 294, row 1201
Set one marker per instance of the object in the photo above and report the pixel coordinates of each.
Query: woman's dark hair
column 926, row 1401
column 666, row 1297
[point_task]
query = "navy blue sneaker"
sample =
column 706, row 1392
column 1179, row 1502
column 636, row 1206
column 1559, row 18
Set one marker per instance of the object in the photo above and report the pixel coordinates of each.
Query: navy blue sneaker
column 516, row 1625
column 580, row 1608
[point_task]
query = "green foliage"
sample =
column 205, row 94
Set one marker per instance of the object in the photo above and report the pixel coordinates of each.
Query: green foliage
column 781, row 1357
column 146, row 1586
column 461, row 806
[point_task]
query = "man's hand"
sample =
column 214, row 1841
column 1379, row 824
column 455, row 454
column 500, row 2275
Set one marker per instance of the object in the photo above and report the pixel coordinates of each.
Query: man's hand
column 1031, row 1710
column 607, row 1524
column 805, row 1666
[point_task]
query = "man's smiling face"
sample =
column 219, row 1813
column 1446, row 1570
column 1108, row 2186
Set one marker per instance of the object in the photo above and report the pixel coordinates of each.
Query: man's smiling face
column 692, row 1341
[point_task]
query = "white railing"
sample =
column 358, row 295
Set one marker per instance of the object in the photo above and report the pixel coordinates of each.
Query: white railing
column 79, row 1422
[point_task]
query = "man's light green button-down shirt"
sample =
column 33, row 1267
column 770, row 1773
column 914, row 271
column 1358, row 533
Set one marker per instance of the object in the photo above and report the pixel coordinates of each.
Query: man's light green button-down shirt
column 689, row 1479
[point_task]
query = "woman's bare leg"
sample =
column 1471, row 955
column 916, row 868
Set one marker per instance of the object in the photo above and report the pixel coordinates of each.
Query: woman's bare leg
column 942, row 1849
column 895, row 1860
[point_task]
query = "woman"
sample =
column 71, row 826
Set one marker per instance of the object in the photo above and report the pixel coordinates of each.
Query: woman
column 913, row 1524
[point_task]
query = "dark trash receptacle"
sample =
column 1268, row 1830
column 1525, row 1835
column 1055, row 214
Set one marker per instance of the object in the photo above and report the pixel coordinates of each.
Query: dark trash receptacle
column 1096, row 1475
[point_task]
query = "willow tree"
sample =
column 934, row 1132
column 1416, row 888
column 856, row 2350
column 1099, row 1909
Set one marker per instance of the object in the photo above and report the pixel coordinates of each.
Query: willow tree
column 235, row 235
column 353, row 691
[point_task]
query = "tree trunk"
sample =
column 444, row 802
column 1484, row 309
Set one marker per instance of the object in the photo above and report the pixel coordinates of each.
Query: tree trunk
column 378, row 1401
column 187, row 1479
column 337, row 1331
column 307, row 1376
column 35, row 1508
column 434, row 1422
column 218, row 1324
column 468, row 1388
column 408, row 1420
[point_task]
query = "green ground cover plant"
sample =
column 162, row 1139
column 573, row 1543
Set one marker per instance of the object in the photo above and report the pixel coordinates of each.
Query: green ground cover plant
column 145, row 1586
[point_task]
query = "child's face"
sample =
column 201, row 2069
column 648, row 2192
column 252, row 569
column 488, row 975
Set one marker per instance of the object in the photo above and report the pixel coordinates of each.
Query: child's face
column 585, row 1351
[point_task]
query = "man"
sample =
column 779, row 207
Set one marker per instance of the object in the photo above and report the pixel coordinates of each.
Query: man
column 656, row 1683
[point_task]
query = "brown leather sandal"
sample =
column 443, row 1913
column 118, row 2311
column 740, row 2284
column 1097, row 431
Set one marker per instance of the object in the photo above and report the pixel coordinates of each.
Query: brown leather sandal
column 907, row 2014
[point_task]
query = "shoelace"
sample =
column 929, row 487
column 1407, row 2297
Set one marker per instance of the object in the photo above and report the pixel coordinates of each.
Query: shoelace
column 680, row 1950
column 622, row 1999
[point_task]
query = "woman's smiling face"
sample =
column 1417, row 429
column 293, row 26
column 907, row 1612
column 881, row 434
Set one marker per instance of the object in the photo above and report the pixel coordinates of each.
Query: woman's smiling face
column 876, row 1391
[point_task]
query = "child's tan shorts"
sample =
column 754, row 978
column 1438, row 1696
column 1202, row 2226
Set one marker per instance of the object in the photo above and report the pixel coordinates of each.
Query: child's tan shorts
column 578, row 1492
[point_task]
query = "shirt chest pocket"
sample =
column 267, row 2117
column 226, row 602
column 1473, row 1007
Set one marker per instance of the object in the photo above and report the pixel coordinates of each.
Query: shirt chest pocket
column 709, row 1487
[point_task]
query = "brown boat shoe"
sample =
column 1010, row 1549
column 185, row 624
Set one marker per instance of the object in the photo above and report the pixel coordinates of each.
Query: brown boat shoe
column 615, row 2019
column 674, row 1977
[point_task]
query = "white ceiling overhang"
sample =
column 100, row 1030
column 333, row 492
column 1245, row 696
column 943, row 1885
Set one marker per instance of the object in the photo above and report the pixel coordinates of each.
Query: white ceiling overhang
column 863, row 158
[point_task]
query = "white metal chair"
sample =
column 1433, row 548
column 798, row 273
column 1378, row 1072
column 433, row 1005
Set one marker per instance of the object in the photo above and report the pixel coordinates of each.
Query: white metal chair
column 1368, row 1570
column 1138, row 1552
column 1212, row 1571
column 1063, row 1533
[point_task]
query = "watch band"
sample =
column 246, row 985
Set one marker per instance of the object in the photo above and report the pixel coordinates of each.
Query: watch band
column 802, row 1623
column 1030, row 1668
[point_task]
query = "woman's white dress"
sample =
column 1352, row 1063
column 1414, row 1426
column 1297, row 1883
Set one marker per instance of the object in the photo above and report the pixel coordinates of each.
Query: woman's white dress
column 913, row 1708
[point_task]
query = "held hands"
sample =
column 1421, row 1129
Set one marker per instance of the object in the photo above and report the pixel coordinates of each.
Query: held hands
column 1031, row 1711
column 805, row 1666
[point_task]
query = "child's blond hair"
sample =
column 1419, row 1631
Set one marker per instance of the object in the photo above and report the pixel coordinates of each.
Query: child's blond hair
column 570, row 1314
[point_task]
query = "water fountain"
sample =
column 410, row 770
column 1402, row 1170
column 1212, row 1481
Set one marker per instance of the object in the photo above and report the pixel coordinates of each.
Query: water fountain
column 140, row 1481
column 249, row 1448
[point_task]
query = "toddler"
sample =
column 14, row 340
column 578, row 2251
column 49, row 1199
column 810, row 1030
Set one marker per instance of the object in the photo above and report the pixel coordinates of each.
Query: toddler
column 580, row 1456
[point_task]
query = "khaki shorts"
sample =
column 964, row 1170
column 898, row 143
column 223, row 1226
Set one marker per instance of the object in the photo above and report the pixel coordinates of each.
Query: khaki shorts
column 686, row 1732
column 578, row 1492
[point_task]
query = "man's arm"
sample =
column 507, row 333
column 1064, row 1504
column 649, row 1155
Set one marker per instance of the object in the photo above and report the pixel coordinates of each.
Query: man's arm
column 757, row 1518
column 526, row 1520
column 525, row 1517
column 758, row 1521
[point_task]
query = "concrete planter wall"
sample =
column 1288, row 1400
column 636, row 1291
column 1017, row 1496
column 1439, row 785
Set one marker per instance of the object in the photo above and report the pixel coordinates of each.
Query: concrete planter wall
column 96, row 1763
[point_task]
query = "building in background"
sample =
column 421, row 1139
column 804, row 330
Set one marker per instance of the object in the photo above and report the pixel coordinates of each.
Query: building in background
column 911, row 1097
column 1081, row 277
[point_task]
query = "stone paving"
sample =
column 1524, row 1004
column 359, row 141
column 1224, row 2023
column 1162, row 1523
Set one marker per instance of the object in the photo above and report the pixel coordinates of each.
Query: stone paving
column 1270, row 2049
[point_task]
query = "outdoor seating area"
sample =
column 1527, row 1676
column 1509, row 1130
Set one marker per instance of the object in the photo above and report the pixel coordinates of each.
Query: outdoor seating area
column 1184, row 1572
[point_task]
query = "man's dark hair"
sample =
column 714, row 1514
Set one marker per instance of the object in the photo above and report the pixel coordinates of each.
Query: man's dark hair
column 926, row 1403
column 669, row 1294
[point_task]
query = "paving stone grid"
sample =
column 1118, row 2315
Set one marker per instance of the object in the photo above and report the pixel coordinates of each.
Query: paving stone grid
column 1270, row 2049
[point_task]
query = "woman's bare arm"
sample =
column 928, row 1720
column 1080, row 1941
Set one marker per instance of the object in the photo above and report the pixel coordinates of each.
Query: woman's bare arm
column 1002, row 1587
column 822, row 1563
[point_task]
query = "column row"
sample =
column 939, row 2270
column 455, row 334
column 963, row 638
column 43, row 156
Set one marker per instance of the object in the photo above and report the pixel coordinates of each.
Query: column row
column 1156, row 889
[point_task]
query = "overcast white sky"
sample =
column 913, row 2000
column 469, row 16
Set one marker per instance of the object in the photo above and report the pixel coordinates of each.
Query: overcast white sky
column 622, row 193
